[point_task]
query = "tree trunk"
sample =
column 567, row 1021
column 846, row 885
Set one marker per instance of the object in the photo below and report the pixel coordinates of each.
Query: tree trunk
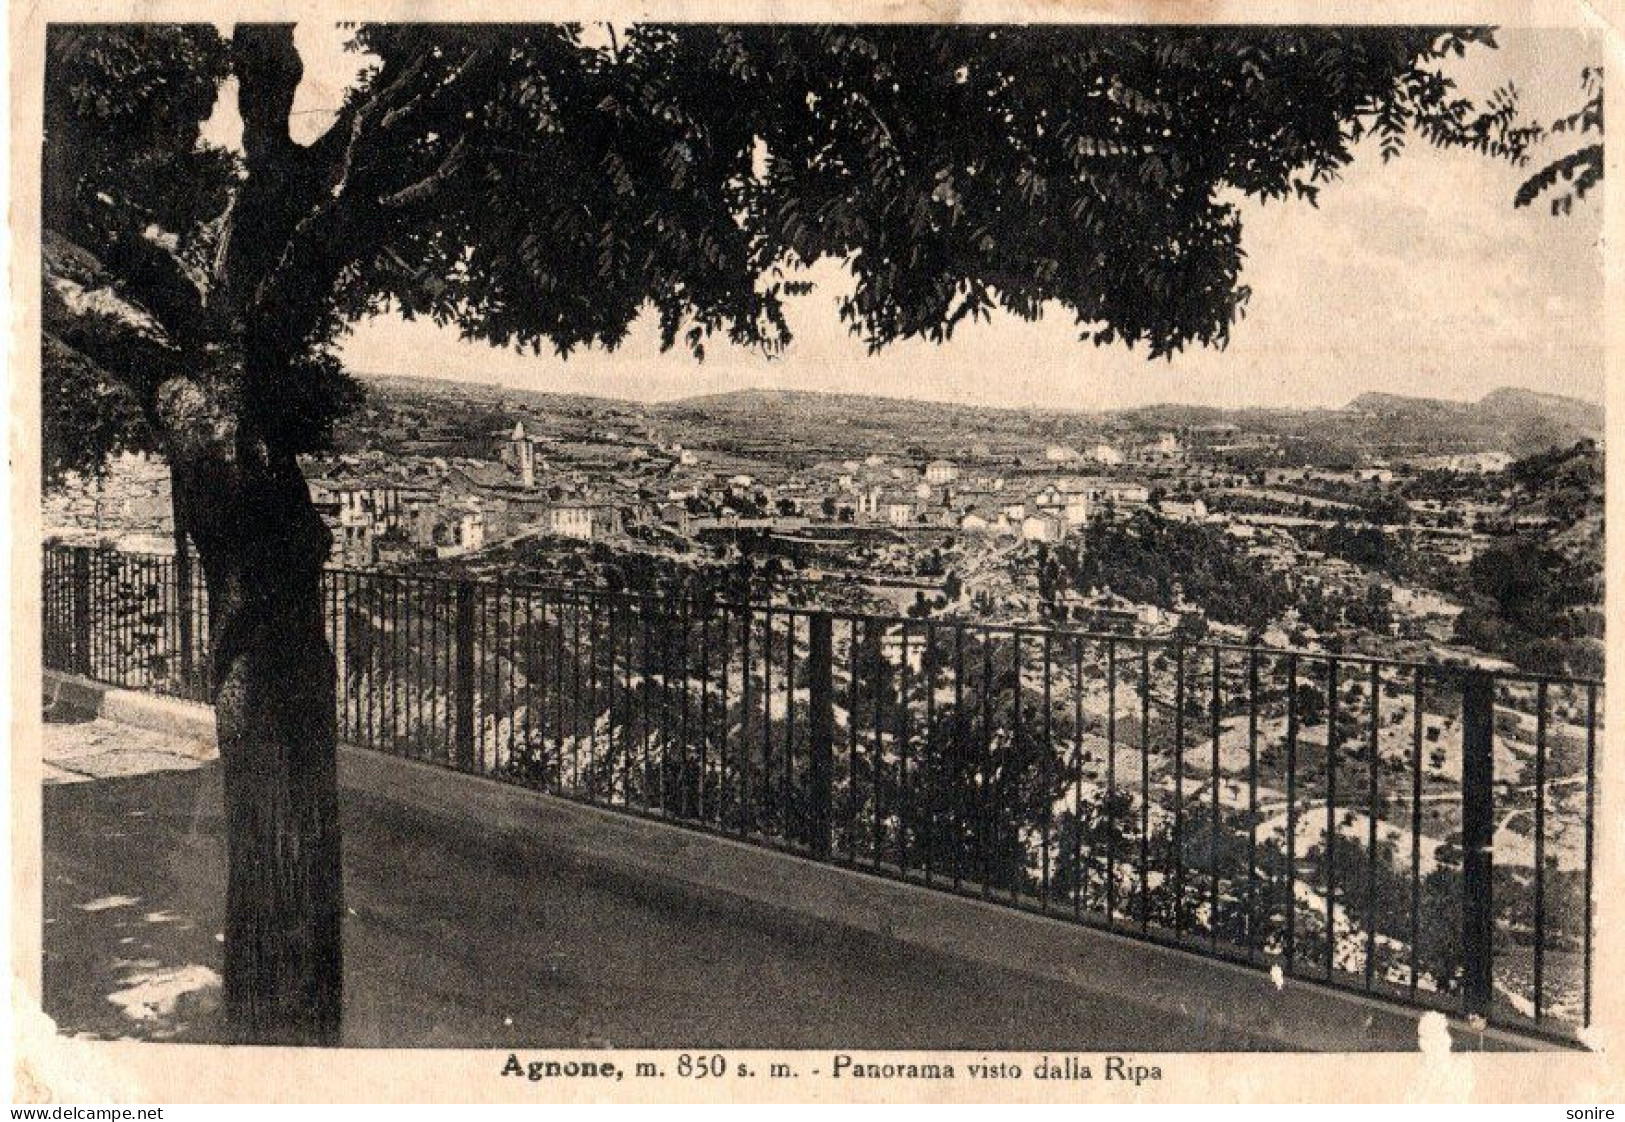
column 262, row 547
column 185, row 671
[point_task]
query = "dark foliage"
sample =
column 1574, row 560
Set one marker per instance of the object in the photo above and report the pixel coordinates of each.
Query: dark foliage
column 1153, row 560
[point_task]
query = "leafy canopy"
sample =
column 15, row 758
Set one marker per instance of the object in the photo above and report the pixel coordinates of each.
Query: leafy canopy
column 536, row 190
column 1571, row 176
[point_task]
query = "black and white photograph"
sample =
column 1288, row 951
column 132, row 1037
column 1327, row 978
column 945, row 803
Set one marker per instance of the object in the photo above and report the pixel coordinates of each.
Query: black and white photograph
column 1025, row 557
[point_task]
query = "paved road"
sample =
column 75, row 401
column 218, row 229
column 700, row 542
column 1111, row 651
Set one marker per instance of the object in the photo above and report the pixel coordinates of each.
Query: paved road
column 453, row 940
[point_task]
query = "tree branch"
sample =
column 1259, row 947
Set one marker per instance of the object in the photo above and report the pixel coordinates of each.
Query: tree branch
column 268, row 74
column 401, row 112
column 429, row 186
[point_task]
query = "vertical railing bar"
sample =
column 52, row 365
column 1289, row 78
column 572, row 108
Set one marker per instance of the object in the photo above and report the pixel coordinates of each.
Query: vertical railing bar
column 904, row 811
column 120, row 618
column 647, row 700
column 1047, row 777
column 485, row 669
column 489, row 656
column 394, row 680
column 747, row 819
column 439, row 675
column 526, row 642
column 878, row 768
column 1179, row 791
column 684, row 703
column 617, row 759
column 148, row 582
column 1291, row 813
column 439, row 667
column 1145, row 787
column 1018, row 741
column 370, row 603
column 594, row 671
column 1477, row 842
column 353, row 683
column 127, row 616
column 819, row 817
column 1214, row 823
column 1214, row 847
column 1590, row 799
column 434, row 600
column 510, row 650
column 558, row 700
column 723, row 788
column 402, row 661
column 1417, row 700
column 1111, row 774
column 1371, row 827
column 705, row 708
column 95, row 602
column 1079, row 882
column 1540, row 849
column 854, row 695
column 591, row 659
column 115, row 621
column 414, row 665
column 1252, row 805
column 960, row 753
column 109, row 629
column 767, row 730
column 582, row 788
column 931, row 752
column 342, row 612
column 1331, row 815
column 113, row 625
column 476, row 688
column 395, row 676
column 429, row 633
column 787, row 825
column 984, row 810
column 116, row 569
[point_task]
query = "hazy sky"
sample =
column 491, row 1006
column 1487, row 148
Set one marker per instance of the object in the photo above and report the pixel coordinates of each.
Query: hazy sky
column 1413, row 277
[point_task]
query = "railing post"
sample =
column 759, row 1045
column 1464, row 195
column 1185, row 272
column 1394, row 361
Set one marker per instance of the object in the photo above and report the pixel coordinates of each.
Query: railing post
column 820, row 731
column 463, row 661
column 81, row 611
column 1477, row 840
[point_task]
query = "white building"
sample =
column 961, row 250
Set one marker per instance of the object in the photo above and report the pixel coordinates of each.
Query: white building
column 1042, row 528
column 571, row 521
column 1193, row 511
column 940, row 472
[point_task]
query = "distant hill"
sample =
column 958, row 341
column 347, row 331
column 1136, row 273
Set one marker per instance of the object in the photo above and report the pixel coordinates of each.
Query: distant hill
column 1519, row 421
column 1522, row 422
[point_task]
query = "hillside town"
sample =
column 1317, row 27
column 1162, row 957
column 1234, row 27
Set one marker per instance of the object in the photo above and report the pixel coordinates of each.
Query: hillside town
column 1368, row 551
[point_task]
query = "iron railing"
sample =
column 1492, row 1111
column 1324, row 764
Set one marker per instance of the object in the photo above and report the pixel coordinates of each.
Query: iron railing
column 1412, row 830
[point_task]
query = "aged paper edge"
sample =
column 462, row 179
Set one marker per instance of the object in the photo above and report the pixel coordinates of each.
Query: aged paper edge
column 49, row 1067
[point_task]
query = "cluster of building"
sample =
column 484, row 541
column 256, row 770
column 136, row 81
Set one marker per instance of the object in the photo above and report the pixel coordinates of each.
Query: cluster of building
column 384, row 510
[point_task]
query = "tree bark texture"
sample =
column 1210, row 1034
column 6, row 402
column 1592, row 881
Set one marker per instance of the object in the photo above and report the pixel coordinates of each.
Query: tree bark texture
column 262, row 546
